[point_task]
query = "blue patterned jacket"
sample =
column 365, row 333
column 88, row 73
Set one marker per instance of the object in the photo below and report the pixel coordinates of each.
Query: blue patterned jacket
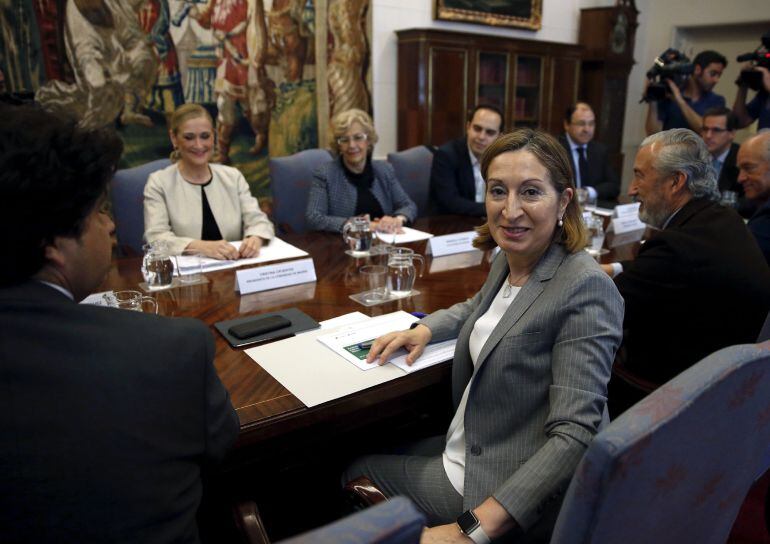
column 332, row 199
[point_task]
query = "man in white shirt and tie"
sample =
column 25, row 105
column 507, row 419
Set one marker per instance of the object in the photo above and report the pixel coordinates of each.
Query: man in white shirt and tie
column 590, row 163
column 718, row 132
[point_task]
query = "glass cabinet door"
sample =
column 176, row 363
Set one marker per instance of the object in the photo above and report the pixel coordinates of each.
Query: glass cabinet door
column 526, row 101
column 492, row 79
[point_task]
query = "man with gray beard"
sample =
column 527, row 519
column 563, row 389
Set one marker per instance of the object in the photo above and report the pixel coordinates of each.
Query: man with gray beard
column 698, row 284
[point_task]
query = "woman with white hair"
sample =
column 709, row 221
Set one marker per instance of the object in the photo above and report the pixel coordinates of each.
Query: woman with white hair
column 354, row 184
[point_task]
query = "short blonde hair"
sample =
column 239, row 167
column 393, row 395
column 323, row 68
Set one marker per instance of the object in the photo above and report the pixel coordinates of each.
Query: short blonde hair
column 181, row 115
column 553, row 157
column 342, row 122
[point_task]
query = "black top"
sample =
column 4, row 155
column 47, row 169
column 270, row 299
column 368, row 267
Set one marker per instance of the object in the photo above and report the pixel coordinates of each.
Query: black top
column 210, row 229
column 365, row 200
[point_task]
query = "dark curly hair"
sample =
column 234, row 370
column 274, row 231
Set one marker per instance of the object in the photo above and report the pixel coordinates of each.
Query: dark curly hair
column 52, row 174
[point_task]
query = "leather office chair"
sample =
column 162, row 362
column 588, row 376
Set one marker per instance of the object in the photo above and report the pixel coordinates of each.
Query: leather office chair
column 290, row 180
column 675, row 467
column 127, row 196
column 412, row 168
column 394, row 522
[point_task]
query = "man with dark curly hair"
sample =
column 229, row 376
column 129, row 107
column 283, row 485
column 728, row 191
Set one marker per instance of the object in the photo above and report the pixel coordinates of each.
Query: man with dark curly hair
column 107, row 416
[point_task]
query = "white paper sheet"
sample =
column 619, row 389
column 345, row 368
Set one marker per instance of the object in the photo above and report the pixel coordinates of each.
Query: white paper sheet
column 409, row 235
column 351, row 343
column 276, row 250
column 314, row 373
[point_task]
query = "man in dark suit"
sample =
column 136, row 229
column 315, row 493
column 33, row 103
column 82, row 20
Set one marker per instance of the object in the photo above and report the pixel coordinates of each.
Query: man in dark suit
column 589, row 158
column 107, row 416
column 699, row 284
column 754, row 176
column 456, row 184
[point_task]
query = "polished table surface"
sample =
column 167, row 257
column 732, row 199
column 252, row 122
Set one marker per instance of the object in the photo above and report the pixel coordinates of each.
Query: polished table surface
column 265, row 408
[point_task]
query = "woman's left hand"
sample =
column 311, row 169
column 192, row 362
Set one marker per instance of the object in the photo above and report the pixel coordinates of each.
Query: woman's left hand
column 387, row 223
column 443, row 534
column 250, row 247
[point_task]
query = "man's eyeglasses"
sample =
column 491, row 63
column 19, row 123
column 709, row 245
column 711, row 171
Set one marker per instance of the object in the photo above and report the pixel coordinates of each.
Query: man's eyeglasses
column 715, row 130
column 581, row 124
column 357, row 138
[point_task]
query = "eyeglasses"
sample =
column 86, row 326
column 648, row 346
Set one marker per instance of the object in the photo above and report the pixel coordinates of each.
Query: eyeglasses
column 357, row 138
column 715, row 130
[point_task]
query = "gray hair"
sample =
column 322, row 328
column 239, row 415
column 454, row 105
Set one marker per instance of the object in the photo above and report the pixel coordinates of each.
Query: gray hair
column 684, row 151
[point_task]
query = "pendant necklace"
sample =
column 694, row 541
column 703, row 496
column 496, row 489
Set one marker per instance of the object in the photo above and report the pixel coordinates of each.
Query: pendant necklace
column 509, row 284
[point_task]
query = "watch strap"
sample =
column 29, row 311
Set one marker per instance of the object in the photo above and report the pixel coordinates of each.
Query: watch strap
column 478, row 535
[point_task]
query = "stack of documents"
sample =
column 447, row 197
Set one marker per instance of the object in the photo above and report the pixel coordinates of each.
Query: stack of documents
column 276, row 250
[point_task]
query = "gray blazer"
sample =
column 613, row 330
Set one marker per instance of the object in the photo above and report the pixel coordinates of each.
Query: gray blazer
column 332, row 199
column 540, row 385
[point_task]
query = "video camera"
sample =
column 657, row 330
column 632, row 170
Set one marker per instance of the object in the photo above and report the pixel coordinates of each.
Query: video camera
column 671, row 64
column 761, row 56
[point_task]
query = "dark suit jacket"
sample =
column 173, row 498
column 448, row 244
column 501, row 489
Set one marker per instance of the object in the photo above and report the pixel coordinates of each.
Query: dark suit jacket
column 697, row 286
column 759, row 225
column 601, row 176
column 452, row 184
column 107, row 417
column 728, row 181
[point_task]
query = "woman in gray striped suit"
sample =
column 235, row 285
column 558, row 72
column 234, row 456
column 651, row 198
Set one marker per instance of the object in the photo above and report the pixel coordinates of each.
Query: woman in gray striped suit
column 534, row 350
column 354, row 184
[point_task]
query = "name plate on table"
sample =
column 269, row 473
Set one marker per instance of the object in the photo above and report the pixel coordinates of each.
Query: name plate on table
column 621, row 225
column 449, row 244
column 626, row 210
column 274, row 276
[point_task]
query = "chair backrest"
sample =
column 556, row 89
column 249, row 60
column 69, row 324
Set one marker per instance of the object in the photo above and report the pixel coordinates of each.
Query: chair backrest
column 290, row 181
column 396, row 521
column 412, row 168
column 764, row 333
column 127, row 195
column 676, row 466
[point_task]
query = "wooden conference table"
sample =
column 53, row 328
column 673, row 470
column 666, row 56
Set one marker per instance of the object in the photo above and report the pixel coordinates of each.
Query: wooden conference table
column 268, row 411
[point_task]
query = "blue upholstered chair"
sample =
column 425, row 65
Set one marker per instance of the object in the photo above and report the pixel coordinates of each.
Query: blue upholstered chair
column 290, row 180
column 412, row 168
column 393, row 522
column 676, row 466
column 127, row 194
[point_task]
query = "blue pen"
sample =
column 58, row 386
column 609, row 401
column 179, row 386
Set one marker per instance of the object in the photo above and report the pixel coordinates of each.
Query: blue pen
column 419, row 315
column 365, row 345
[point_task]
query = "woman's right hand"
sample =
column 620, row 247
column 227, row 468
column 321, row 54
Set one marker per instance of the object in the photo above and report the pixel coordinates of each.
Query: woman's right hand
column 413, row 340
column 216, row 249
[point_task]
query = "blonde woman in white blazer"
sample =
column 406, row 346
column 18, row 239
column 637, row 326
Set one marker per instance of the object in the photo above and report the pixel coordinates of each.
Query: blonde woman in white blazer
column 198, row 206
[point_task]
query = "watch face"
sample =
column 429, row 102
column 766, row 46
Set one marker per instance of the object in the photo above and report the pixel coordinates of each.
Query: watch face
column 467, row 522
column 619, row 35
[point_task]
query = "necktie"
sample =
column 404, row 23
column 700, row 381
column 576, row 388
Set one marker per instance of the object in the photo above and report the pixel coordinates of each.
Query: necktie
column 717, row 164
column 582, row 166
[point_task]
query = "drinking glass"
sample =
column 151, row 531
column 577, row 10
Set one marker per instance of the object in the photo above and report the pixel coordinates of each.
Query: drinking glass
column 191, row 263
column 374, row 279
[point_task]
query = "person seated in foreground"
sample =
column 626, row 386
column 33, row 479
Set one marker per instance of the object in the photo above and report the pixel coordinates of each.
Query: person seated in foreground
column 588, row 157
column 354, row 184
column 108, row 416
column 754, row 176
column 534, row 350
column 200, row 206
column 698, row 284
column 456, row 184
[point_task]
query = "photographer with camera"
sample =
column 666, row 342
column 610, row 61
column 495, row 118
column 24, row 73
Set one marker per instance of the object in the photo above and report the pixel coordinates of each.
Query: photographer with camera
column 678, row 93
column 754, row 76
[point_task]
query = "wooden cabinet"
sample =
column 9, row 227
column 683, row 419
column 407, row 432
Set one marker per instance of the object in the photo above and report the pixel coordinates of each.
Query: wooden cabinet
column 442, row 75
